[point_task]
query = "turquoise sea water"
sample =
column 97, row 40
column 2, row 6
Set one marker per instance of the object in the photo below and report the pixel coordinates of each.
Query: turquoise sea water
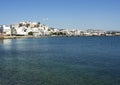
column 60, row 61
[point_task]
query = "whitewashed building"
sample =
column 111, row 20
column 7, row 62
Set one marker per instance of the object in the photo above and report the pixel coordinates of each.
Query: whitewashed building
column 6, row 30
column 21, row 31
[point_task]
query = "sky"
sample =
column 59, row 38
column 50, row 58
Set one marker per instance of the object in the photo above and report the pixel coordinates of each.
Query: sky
column 63, row 14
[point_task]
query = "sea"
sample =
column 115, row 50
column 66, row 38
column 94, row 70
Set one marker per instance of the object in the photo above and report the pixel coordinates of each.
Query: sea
column 60, row 61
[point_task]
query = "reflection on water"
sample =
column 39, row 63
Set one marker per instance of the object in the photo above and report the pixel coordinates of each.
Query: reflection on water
column 60, row 61
column 12, row 44
column 6, row 43
column 1, row 41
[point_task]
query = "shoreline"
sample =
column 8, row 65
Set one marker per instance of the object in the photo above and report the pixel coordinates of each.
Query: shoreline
column 17, row 37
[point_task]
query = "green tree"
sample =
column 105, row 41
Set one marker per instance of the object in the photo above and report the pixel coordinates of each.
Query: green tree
column 30, row 33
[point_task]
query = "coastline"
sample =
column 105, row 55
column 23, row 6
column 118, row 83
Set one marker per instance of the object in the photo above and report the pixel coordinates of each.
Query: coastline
column 30, row 36
column 15, row 37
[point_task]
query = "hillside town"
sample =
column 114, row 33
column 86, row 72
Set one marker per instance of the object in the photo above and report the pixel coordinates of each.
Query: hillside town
column 36, row 29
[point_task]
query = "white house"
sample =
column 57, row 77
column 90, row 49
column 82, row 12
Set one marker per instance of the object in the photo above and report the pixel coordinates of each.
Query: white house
column 6, row 30
column 21, row 31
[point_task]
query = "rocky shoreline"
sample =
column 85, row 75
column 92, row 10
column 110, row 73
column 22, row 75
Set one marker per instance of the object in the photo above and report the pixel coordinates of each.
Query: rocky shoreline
column 15, row 37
